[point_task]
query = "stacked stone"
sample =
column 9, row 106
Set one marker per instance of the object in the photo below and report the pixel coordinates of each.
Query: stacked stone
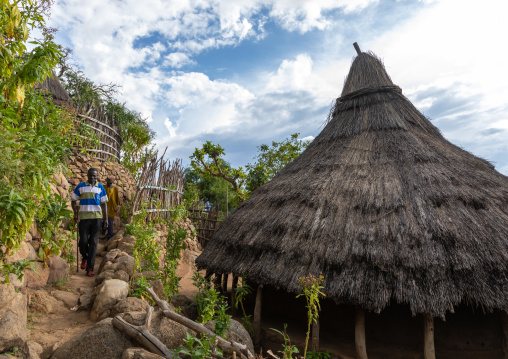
column 123, row 179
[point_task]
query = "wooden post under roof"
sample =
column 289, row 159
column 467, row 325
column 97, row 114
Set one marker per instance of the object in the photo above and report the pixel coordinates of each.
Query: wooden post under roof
column 256, row 325
column 225, row 283
column 234, row 284
column 428, row 337
column 360, row 345
column 504, row 327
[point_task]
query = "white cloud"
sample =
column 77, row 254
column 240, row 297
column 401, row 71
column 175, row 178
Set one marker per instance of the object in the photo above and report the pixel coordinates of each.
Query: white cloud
column 177, row 60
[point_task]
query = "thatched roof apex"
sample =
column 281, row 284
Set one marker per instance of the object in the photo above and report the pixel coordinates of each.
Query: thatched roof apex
column 382, row 205
column 55, row 87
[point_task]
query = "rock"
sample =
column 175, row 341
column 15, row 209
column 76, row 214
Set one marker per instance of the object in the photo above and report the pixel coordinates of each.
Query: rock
column 122, row 275
column 33, row 350
column 186, row 305
column 167, row 331
column 28, row 237
column 84, row 301
column 125, row 263
column 47, row 352
column 109, row 257
column 33, row 229
column 58, row 269
column 158, row 288
column 62, row 192
column 39, row 278
column 22, row 253
column 104, row 275
column 130, row 304
column 42, row 302
column 33, row 254
column 70, row 299
column 13, row 315
column 125, row 247
column 112, row 291
column 35, row 244
column 100, row 341
column 236, row 333
column 139, row 353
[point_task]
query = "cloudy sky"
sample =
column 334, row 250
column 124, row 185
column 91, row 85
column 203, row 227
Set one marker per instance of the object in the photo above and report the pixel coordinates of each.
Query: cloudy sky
column 246, row 72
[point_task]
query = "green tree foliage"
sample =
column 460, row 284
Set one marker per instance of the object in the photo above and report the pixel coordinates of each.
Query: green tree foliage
column 209, row 169
column 35, row 136
column 271, row 160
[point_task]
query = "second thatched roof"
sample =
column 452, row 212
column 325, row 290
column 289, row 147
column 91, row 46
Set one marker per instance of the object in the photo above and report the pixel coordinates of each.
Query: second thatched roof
column 380, row 203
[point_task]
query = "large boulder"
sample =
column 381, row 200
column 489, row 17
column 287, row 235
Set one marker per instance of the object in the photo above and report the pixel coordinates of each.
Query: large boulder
column 33, row 350
column 13, row 315
column 22, row 253
column 140, row 353
column 70, row 299
column 112, row 291
column 236, row 333
column 169, row 332
column 100, row 341
column 42, row 302
column 125, row 263
column 130, row 304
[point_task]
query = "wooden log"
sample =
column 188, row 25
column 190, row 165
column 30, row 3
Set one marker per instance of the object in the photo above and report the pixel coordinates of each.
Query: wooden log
column 360, row 345
column 199, row 328
column 428, row 337
column 256, row 324
column 142, row 334
column 504, row 328
column 315, row 335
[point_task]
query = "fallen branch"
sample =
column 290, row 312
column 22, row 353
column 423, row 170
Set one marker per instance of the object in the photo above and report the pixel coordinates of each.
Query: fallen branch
column 141, row 334
column 200, row 328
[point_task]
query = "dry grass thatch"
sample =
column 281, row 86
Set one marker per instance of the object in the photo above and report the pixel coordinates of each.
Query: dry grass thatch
column 53, row 85
column 380, row 203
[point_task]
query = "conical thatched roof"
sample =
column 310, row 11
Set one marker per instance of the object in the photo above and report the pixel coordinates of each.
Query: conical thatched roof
column 54, row 86
column 380, row 203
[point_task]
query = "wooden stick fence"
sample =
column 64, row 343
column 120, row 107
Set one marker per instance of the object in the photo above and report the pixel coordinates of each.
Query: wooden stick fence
column 110, row 138
column 160, row 187
column 206, row 223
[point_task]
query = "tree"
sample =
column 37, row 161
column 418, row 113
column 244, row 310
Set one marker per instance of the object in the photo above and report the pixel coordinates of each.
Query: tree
column 271, row 160
column 208, row 161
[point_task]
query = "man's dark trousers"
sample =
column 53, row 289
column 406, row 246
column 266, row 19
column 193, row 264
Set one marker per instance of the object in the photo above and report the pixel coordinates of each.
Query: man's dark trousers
column 88, row 239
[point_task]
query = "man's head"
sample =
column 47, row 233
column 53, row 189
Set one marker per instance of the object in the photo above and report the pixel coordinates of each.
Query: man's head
column 109, row 181
column 92, row 174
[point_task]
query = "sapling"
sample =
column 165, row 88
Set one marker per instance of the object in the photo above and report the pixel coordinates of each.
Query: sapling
column 311, row 287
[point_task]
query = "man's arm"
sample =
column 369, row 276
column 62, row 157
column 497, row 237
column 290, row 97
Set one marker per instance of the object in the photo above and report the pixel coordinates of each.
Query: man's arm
column 75, row 210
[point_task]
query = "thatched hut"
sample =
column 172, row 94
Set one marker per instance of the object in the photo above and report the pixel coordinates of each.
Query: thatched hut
column 53, row 86
column 384, row 206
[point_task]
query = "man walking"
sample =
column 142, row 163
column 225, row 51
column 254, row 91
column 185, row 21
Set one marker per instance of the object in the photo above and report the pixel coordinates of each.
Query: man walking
column 113, row 203
column 92, row 210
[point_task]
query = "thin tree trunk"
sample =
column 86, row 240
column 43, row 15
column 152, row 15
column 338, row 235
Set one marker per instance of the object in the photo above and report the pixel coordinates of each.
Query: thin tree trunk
column 360, row 345
column 256, row 325
column 315, row 335
column 428, row 337
column 225, row 283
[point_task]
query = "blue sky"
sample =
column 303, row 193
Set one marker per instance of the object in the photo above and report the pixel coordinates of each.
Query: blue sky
column 244, row 73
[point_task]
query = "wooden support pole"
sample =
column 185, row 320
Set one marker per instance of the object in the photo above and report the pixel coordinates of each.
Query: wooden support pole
column 233, row 295
column 256, row 325
column 504, row 328
column 217, row 282
column 225, row 283
column 360, row 345
column 315, row 335
column 357, row 48
column 428, row 337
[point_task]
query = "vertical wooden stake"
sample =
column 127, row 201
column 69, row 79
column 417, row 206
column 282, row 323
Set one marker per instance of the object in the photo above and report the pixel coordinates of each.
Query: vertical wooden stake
column 217, row 282
column 428, row 337
column 233, row 295
column 360, row 345
column 504, row 327
column 256, row 325
column 315, row 335
column 225, row 284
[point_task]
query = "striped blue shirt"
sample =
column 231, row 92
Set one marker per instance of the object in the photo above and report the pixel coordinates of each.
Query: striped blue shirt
column 90, row 199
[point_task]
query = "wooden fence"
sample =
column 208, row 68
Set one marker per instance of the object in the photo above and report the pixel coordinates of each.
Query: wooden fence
column 206, row 222
column 160, row 187
column 109, row 135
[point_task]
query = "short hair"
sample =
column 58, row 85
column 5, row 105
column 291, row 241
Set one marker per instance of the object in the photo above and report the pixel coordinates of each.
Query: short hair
column 110, row 179
column 91, row 169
